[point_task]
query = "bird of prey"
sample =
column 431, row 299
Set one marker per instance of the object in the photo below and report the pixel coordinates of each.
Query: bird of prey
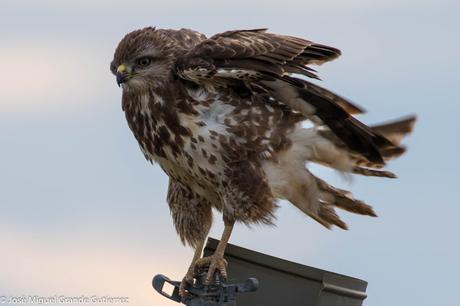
column 222, row 116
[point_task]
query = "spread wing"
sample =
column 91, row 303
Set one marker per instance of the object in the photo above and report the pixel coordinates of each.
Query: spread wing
column 241, row 54
column 292, row 54
column 265, row 62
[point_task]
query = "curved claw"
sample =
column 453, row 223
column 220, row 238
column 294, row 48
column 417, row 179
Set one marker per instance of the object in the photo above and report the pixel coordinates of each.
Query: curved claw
column 186, row 282
column 215, row 263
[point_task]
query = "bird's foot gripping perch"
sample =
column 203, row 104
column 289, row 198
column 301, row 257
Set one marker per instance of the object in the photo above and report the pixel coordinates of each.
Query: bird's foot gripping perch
column 217, row 293
column 213, row 264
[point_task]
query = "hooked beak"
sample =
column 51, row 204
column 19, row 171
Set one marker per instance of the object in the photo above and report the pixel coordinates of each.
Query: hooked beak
column 122, row 74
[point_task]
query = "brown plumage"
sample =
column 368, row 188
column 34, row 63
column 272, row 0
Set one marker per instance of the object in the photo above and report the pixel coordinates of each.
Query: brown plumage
column 222, row 117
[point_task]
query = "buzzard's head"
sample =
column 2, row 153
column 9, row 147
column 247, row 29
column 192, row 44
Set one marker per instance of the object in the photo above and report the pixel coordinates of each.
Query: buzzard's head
column 143, row 58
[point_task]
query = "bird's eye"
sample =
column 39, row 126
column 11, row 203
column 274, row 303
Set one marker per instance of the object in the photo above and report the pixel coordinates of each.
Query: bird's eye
column 144, row 61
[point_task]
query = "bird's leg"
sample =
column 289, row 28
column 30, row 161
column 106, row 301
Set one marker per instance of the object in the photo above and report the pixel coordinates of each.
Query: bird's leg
column 188, row 278
column 216, row 261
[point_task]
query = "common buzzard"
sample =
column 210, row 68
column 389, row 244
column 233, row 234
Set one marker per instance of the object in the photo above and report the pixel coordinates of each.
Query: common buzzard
column 222, row 116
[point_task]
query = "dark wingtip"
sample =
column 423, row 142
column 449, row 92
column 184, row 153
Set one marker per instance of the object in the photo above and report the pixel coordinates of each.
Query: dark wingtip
column 353, row 133
column 405, row 125
column 360, row 138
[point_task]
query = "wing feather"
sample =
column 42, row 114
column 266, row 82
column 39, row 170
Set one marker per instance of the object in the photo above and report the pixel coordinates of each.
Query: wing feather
column 257, row 44
column 261, row 59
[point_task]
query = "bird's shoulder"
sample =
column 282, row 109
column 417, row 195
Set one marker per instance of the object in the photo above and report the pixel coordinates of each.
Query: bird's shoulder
column 184, row 38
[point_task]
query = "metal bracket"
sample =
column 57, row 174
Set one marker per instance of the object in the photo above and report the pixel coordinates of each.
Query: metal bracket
column 219, row 293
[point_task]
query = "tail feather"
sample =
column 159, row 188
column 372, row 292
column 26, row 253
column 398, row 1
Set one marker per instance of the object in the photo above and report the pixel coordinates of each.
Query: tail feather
column 358, row 138
column 396, row 130
column 344, row 199
column 329, row 198
column 392, row 153
column 328, row 215
column 373, row 172
column 320, row 105
column 353, row 133
column 346, row 145
column 315, row 197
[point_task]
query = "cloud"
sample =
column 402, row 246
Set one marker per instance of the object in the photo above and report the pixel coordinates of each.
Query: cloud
column 48, row 75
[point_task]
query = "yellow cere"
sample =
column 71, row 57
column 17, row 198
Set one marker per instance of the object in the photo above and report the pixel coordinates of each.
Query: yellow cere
column 122, row 68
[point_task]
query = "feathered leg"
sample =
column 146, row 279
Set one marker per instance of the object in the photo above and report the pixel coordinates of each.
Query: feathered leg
column 217, row 261
column 192, row 217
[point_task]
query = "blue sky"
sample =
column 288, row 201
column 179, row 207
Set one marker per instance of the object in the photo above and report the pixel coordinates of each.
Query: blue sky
column 82, row 212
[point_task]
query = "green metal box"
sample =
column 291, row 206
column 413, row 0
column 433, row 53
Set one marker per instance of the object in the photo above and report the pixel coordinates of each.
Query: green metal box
column 284, row 283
